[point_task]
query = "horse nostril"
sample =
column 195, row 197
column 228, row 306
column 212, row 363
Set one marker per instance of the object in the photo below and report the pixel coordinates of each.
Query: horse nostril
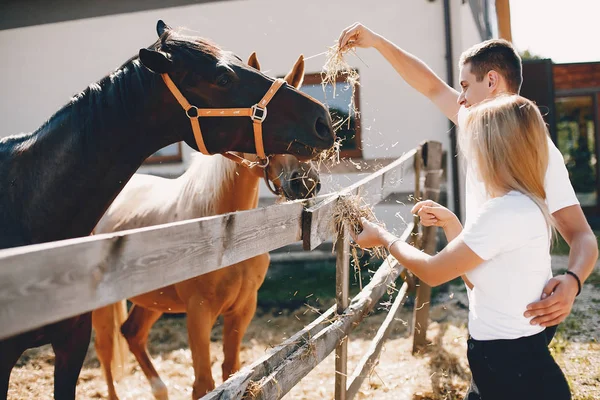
column 318, row 187
column 324, row 129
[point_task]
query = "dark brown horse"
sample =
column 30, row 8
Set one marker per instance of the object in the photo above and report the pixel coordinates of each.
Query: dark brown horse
column 210, row 186
column 57, row 182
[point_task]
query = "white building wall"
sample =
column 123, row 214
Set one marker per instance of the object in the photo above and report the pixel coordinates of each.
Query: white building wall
column 44, row 65
column 465, row 35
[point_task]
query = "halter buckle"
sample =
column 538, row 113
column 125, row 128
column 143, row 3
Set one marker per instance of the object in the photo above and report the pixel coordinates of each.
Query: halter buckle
column 195, row 111
column 259, row 114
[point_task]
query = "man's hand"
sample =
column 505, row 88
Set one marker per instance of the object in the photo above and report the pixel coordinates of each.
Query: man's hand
column 557, row 300
column 357, row 35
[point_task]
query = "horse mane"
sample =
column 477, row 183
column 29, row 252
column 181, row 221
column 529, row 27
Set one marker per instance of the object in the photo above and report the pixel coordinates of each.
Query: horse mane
column 189, row 45
column 124, row 89
column 204, row 183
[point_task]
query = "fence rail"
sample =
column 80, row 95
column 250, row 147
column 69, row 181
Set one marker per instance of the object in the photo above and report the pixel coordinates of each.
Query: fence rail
column 45, row 283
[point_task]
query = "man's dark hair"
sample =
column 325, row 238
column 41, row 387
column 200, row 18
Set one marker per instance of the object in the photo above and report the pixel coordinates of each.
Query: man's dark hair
column 498, row 55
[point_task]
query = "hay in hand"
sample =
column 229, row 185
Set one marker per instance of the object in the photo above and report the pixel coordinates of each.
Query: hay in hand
column 347, row 213
column 335, row 65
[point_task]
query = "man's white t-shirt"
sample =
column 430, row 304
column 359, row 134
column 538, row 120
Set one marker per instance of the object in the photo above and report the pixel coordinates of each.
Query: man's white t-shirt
column 511, row 235
column 559, row 194
column 559, row 191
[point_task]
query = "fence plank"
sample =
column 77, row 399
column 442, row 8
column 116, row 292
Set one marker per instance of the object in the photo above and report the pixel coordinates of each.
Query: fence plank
column 317, row 220
column 303, row 360
column 45, row 283
column 432, row 158
column 342, row 289
column 267, row 364
column 368, row 362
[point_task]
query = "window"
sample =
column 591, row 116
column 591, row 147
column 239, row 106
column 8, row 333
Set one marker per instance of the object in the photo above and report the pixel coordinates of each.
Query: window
column 576, row 140
column 168, row 154
column 339, row 108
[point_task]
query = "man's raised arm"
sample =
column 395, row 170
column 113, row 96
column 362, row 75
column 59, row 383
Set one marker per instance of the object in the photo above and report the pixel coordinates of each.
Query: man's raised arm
column 414, row 71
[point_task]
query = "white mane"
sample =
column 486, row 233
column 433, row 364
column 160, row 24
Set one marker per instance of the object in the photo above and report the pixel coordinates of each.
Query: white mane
column 203, row 183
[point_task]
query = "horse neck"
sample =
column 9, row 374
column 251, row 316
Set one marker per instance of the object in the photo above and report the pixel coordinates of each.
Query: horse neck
column 61, row 179
column 216, row 185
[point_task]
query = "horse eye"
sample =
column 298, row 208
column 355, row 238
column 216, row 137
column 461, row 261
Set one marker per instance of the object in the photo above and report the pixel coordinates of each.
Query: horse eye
column 223, row 80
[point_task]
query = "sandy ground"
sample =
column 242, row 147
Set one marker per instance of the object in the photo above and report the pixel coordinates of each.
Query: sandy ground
column 440, row 371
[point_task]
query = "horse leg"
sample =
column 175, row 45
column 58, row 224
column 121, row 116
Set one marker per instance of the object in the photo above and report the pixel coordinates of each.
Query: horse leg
column 10, row 351
column 136, row 330
column 70, row 351
column 200, row 320
column 235, row 325
column 110, row 344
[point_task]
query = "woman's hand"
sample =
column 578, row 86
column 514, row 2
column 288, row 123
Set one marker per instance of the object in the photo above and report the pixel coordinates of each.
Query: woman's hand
column 434, row 214
column 357, row 35
column 373, row 235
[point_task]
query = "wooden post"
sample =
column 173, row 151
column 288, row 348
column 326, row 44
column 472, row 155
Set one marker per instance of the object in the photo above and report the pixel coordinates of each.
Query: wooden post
column 342, row 277
column 432, row 157
column 415, row 236
column 503, row 19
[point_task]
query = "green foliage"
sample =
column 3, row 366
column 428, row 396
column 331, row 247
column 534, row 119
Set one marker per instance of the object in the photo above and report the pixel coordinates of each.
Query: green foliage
column 528, row 55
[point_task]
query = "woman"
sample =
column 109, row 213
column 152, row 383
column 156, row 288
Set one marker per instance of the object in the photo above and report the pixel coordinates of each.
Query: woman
column 503, row 254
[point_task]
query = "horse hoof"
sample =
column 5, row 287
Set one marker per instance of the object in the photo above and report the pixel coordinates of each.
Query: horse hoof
column 159, row 389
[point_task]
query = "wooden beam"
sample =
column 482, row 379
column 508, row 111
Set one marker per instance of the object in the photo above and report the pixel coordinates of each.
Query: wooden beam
column 503, row 19
column 45, row 283
column 303, row 360
column 432, row 154
column 369, row 360
column 268, row 363
column 342, row 290
column 317, row 220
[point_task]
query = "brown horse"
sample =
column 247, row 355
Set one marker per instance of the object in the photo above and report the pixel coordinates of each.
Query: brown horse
column 210, row 186
column 57, row 182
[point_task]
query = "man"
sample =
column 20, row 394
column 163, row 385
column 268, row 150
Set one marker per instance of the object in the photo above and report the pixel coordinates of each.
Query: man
column 486, row 70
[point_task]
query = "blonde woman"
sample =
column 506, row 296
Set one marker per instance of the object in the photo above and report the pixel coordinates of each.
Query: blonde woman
column 503, row 253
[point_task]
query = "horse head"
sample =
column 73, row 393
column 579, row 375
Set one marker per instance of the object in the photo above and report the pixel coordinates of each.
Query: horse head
column 291, row 177
column 211, row 78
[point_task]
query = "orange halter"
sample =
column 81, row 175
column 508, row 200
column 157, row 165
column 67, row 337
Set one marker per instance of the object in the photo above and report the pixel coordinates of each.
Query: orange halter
column 258, row 113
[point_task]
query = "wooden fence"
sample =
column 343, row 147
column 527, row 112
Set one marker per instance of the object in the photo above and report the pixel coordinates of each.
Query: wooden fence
column 45, row 283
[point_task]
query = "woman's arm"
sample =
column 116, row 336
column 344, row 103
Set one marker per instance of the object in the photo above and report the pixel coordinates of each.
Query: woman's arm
column 455, row 260
column 433, row 214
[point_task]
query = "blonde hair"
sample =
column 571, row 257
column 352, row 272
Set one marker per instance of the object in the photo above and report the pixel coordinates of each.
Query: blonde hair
column 507, row 138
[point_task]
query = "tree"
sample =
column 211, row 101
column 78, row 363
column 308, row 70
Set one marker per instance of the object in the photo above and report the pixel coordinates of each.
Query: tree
column 528, row 55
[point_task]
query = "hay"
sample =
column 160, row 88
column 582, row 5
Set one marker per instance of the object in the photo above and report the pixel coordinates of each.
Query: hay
column 254, row 388
column 329, row 157
column 347, row 213
column 335, row 65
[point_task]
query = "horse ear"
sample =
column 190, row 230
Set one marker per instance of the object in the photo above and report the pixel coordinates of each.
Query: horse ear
column 161, row 27
column 253, row 61
column 296, row 76
column 156, row 61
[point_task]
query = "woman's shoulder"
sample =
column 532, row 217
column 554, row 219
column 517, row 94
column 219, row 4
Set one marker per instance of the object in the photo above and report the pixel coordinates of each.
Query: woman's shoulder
column 512, row 208
column 510, row 200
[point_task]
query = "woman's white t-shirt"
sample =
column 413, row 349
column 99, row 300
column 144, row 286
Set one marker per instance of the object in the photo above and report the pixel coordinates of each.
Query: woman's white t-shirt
column 520, row 275
column 511, row 234
column 559, row 191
